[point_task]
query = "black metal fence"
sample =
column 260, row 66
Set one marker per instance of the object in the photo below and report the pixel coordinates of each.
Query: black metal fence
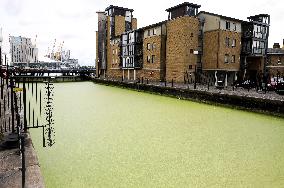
column 25, row 105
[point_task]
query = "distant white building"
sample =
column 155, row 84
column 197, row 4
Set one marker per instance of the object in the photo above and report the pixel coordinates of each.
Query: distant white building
column 22, row 51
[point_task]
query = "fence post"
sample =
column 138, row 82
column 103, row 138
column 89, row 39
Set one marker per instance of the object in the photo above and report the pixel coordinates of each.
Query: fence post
column 25, row 105
column 12, row 104
column 22, row 137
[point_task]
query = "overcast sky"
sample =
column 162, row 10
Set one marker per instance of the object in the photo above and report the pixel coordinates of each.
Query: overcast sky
column 75, row 21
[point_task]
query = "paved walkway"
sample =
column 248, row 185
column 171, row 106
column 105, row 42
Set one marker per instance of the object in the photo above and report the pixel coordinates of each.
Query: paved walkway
column 230, row 90
column 10, row 159
column 10, row 168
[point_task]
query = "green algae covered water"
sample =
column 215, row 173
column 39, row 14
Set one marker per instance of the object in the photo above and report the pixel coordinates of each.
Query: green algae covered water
column 111, row 137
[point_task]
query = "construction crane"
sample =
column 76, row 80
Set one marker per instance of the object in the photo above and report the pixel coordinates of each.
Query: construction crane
column 52, row 54
column 35, row 40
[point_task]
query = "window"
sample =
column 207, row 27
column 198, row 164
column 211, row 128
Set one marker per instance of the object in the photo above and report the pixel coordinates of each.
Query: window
column 112, row 52
column 148, row 59
column 189, row 66
column 149, row 32
column 226, row 58
column 153, row 58
column 233, row 60
column 153, row 46
column 116, row 52
column 191, row 34
column 191, row 51
column 154, row 31
column 227, row 41
column 228, row 25
column 234, row 43
column 234, row 26
column 148, row 46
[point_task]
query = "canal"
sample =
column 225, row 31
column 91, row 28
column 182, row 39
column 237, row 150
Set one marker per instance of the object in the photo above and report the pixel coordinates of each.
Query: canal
column 112, row 137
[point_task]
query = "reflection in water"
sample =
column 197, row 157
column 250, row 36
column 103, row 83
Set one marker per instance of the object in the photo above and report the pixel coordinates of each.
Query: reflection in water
column 110, row 137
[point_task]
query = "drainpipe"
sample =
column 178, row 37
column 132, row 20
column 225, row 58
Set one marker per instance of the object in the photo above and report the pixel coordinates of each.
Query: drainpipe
column 123, row 74
column 216, row 80
column 134, row 74
column 226, row 80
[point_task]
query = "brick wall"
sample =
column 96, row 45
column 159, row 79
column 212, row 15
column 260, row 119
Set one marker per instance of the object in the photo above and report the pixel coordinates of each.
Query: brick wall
column 153, row 71
column 273, row 62
column 134, row 23
column 215, row 49
column 114, row 70
column 182, row 40
column 119, row 25
column 210, row 50
column 229, row 50
column 108, row 47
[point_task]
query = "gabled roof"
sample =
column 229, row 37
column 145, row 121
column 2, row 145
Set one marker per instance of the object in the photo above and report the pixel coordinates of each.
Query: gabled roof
column 221, row 16
column 146, row 27
column 122, row 8
column 183, row 4
column 153, row 25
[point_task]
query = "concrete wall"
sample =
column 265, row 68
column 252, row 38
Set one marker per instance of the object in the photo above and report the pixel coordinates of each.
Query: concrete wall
column 182, row 40
column 211, row 22
column 275, row 107
column 158, row 31
column 238, row 25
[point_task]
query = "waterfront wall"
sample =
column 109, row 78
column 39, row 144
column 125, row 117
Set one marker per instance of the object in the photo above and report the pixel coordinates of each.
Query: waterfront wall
column 268, row 106
column 54, row 79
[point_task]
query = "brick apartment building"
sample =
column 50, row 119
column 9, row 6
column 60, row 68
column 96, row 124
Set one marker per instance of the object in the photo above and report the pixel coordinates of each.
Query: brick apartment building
column 189, row 43
column 275, row 58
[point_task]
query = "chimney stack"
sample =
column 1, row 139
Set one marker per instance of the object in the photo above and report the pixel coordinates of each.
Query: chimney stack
column 276, row 45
